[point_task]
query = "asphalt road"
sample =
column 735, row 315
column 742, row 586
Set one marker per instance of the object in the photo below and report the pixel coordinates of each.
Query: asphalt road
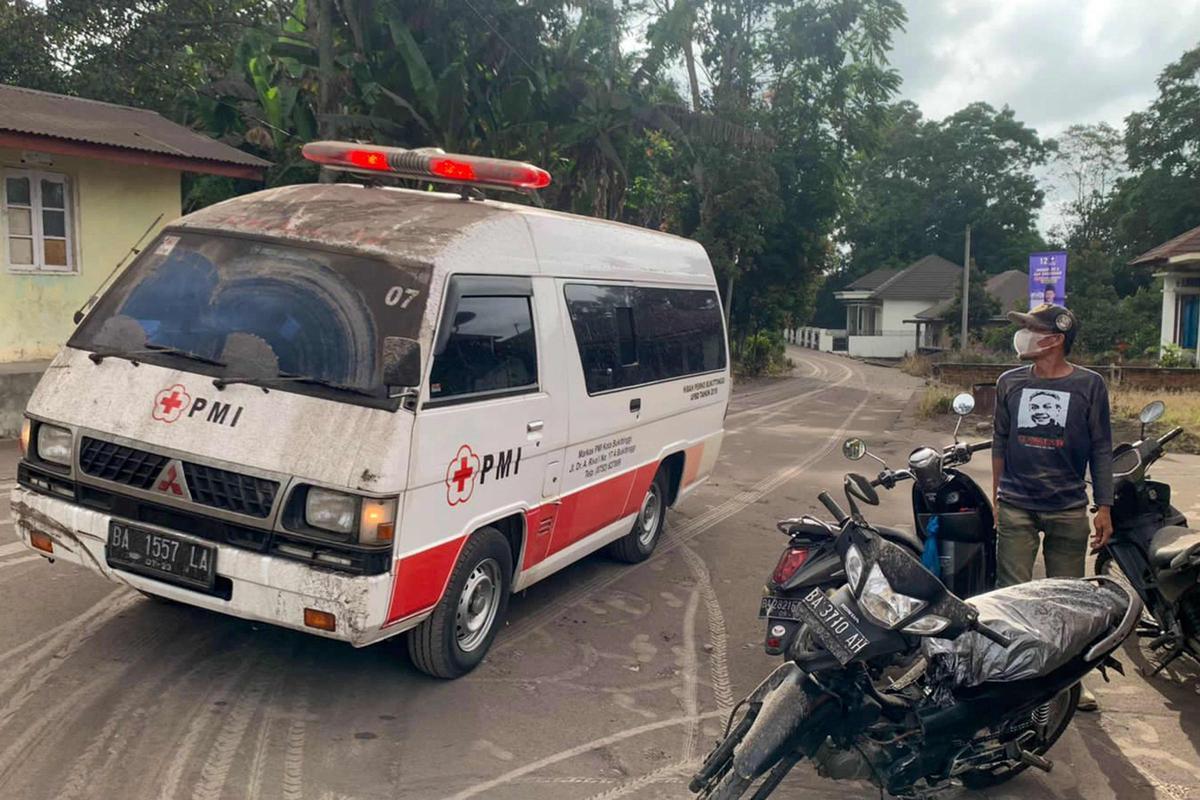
column 609, row 681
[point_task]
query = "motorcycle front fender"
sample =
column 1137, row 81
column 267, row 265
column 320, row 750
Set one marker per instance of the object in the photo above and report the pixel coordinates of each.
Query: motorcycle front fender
column 787, row 698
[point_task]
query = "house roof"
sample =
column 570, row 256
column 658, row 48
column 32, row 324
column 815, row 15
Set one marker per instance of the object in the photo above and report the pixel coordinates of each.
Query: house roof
column 1184, row 247
column 872, row 280
column 930, row 278
column 37, row 120
column 1010, row 289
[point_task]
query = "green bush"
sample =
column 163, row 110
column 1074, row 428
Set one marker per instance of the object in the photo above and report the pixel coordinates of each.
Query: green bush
column 1175, row 356
column 762, row 354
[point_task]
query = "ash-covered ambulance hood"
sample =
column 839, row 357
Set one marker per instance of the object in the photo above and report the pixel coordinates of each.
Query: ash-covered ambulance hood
column 311, row 438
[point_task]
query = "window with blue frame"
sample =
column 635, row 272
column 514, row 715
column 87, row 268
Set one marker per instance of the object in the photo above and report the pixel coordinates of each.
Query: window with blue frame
column 1187, row 321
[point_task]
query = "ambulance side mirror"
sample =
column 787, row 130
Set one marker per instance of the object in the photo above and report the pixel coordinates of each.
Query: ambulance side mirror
column 401, row 363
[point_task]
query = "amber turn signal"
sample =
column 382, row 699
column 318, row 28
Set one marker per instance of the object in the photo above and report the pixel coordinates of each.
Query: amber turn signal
column 41, row 541
column 321, row 620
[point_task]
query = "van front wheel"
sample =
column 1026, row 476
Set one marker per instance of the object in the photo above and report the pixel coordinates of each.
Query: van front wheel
column 639, row 543
column 456, row 637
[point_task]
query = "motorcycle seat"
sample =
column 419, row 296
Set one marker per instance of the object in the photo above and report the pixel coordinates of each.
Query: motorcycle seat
column 1050, row 622
column 1170, row 542
column 902, row 537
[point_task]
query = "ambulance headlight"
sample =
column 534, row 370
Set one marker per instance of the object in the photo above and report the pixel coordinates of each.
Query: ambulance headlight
column 331, row 511
column 54, row 444
column 372, row 519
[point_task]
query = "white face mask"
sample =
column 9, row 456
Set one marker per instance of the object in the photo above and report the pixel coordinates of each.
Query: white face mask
column 1025, row 342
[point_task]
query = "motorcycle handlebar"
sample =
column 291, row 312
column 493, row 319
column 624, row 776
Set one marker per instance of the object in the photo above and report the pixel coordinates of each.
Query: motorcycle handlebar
column 993, row 635
column 832, row 506
column 1169, row 436
column 975, row 448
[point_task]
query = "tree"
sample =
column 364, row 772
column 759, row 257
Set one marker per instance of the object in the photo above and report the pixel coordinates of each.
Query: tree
column 981, row 309
column 1090, row 159
column 930, row 179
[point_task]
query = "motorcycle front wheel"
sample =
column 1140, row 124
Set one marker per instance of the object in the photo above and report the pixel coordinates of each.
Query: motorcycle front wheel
column 1062, row 711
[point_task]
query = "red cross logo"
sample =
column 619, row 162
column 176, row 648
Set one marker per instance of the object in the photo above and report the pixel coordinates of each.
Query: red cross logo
column 460, row 476
column 169, row 404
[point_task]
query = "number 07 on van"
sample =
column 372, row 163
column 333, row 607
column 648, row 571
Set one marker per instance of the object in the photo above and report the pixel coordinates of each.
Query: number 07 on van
column 361, row 411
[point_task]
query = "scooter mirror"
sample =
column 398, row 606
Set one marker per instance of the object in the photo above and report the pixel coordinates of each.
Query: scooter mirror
column 854, row 449
column 860, row 487
column 1153, row 412
column 963, row 404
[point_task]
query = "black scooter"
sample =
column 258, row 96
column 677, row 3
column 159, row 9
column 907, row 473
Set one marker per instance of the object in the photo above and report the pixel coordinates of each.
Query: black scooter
column 948, row 506
column 995, row 687
column 1152, row 548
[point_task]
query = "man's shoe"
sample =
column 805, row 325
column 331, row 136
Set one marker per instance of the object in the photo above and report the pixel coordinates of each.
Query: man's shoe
column 1087, row 700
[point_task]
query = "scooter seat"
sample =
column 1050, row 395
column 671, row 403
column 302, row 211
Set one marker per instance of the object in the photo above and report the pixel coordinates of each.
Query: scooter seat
column 1170, row 542
column 902, row 537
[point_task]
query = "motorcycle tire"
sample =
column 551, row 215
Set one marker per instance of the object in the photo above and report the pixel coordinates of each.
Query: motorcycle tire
column 985, row 779
column 731, row 787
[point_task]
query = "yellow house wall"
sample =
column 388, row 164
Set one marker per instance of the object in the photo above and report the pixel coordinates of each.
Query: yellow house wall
column 114, row 204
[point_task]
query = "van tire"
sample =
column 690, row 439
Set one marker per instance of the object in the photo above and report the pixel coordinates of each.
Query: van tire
column 484, row 569
column 638, row 545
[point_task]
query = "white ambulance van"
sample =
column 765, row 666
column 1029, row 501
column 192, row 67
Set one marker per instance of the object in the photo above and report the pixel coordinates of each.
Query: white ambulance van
column 359, row 410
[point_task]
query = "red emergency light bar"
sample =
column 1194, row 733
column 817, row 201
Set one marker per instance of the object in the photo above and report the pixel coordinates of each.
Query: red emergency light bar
column 431, row 165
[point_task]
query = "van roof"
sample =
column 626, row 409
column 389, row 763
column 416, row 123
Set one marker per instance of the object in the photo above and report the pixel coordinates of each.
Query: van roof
column 427, row 227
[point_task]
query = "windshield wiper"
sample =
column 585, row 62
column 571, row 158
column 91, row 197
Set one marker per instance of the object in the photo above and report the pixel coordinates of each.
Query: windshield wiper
column 152, row 349
column 221, row 383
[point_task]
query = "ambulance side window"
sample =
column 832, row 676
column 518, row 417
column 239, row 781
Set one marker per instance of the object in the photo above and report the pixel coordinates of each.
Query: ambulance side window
column 491, row 350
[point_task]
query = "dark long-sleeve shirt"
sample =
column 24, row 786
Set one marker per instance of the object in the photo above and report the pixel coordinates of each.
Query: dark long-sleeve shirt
column 1049, row 431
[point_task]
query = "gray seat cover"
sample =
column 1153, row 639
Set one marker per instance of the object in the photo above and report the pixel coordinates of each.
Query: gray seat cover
column 1170, row 542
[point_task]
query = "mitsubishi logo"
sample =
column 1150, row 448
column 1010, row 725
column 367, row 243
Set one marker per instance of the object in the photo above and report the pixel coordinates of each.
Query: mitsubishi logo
column 172, row 482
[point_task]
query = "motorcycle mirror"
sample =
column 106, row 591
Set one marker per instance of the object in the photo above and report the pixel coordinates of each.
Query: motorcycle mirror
column 963, row 404
column 1153, row 412
column 860, row 487
column 854, row 449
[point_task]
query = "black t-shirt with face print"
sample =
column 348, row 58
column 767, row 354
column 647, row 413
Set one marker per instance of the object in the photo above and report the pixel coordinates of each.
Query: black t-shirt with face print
column 1050, row 431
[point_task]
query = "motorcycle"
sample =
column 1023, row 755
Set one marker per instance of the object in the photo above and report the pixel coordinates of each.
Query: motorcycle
column 949, row 507
column 996, row 682
column 1152, row 549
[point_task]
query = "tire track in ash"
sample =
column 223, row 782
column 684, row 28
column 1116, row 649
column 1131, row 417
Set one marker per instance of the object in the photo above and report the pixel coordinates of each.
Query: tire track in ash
column 821, row 375
column 293, row 758
column 675, row 538
column 779, row 407
column 128, row 719
column 220, row 688
column 234, row 724
column 57, row 644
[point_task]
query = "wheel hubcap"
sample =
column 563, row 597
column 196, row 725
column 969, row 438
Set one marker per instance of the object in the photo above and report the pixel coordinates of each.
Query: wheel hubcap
column 648, row 518
column 477, row 605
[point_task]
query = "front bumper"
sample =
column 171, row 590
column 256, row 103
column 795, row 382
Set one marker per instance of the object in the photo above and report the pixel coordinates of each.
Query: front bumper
column 261, row 587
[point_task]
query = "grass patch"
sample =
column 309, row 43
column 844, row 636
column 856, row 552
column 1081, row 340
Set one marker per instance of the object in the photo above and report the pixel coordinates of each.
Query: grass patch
column 918, row 366
column 1183, row 410
column 936, row 402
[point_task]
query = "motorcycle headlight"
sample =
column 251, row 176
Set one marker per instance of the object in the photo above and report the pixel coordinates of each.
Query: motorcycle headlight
column 927, row 625
column 853, row 562
column 331, row 511
column 883, row 603
column 54, row 444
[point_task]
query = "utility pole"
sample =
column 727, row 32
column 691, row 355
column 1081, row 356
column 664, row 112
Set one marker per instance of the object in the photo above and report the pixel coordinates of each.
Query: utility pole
column 963, row 334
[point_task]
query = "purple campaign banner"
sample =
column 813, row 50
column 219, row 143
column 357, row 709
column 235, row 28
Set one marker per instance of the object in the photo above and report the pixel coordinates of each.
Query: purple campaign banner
column 1047, row 279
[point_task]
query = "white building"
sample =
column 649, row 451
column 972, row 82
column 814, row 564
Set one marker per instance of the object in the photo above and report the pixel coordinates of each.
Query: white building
column 1177, row 262
column 881, row 305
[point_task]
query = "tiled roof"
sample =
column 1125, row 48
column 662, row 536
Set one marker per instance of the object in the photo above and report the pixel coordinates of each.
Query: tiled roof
column 1187, row 242
column 77, row 119
column 872, row 280
column 1010, row 289
column 931, row 278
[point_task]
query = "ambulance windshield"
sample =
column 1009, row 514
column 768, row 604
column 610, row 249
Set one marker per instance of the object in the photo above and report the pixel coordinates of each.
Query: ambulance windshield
column 315, row 318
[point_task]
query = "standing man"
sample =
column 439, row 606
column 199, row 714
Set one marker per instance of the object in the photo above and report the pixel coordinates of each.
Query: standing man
column 1051, row 427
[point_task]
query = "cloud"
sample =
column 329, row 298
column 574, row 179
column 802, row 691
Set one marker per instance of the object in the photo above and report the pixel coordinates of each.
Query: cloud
column 1055, row 62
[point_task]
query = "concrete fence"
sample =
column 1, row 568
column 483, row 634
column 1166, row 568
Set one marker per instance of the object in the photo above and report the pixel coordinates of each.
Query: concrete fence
column 1129, row 377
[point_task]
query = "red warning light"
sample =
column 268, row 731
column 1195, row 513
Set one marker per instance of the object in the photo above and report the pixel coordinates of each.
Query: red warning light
column 429, row 165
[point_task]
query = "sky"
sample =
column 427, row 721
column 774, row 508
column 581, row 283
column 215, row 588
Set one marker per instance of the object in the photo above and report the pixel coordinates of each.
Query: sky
column 1054, row 62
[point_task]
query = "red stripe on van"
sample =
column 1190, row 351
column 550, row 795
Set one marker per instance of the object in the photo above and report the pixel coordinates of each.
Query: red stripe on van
column 691, row 463
column 421, row 578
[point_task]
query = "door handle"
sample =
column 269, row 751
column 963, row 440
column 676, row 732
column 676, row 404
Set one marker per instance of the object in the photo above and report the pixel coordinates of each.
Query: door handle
column 535, row 426
column 635, row 405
